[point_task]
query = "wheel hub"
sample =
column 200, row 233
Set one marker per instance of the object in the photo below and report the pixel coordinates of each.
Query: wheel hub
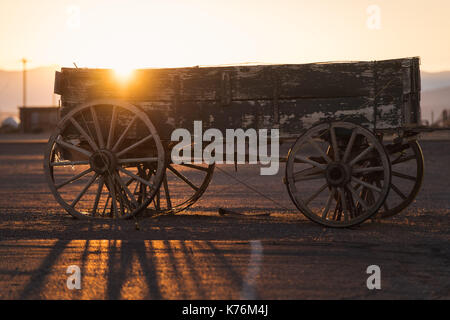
column 338, row 174
column 103, row 161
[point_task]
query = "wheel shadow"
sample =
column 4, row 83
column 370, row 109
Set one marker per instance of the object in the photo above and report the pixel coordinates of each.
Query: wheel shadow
column 139, row 269
column 171, row 269
column 39, row 276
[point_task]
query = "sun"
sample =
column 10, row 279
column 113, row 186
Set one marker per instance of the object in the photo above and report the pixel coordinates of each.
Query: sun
column 123, row 73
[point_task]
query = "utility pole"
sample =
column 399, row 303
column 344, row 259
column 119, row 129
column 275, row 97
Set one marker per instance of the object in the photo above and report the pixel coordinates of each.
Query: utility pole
column 24, row 82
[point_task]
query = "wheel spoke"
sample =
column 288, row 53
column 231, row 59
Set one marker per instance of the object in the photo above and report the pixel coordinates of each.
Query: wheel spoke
column 344, row 203
column 91, row 181
column 134, row 145
column 63, row 143
column 121, row 205
column 142, row 187
column 147, row 183
column 365, row 194
column 357, row 197
column 385, row 205
column 334, row 144
column 135, row 187
column 403, row 176
column 182, row 177
column 166, row 192
column 311, row 162
column 125, row 188
column 84, row 134
column 367, row 185
column 112, row 128
column 397, row 191
column 328, row 204
column 401, row 160
column 337, row 209
column 78, row 176
column 353, row 211
column 322, row 153
column 122, row 136
column 157, row 201
column 112, row 192
column 316, row 194
column 107, row 202
column 369, row 196
column 300, row 177
column 361, row 155
column 98, row 195
column 349, row 147
column 123, row 202
column 368, row 169
column 309, row 171
column 98, row 130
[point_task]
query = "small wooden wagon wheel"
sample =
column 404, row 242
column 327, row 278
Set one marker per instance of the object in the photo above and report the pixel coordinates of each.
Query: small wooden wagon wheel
column 407, row 175
column 182, row 186
column 340, row 189
column 92, row 158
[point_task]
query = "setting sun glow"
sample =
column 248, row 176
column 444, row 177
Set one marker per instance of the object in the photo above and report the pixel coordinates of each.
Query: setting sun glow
column 123, row 73
column 107, row 34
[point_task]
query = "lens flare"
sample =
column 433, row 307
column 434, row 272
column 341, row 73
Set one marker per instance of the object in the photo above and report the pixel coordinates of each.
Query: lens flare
column 123, row 73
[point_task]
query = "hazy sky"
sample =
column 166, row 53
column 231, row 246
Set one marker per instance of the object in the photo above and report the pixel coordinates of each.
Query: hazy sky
column 156, row 33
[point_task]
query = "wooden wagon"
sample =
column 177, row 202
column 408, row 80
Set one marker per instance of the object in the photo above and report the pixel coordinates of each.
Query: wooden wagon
column 351, row 127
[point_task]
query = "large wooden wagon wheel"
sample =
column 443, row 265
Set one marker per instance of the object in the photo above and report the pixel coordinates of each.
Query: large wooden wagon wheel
column 93, row 159
column 340, row 188
column 407, row 175
column 182, row 186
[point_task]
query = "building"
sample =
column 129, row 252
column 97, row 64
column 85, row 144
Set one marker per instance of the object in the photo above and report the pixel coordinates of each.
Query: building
column 38, row 119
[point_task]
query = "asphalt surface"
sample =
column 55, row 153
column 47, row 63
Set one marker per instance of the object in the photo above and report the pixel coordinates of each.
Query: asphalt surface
column 201, row 255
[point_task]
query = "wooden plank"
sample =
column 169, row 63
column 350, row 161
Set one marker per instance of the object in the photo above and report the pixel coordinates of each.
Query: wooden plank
column 295, row 115
column 247, row 82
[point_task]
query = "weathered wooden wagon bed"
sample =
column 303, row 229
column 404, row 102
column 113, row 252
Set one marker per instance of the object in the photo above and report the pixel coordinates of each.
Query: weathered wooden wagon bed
column 377, row 95
column 116, row 134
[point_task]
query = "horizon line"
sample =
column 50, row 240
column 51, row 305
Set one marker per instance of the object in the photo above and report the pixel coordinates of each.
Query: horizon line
column 193, row 66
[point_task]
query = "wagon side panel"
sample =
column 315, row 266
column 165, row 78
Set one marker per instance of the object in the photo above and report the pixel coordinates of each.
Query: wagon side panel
column 397, row 98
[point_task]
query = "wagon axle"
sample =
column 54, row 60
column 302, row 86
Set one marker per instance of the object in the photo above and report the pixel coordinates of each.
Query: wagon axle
column 338, row 174
column 103, row 161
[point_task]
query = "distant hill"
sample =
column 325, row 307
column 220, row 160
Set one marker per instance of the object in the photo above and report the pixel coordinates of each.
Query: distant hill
column 436, row 101
column 435, row 80
column 435, row 90
column 40, row 88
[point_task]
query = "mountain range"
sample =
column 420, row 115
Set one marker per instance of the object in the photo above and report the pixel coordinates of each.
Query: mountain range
column 435, row 90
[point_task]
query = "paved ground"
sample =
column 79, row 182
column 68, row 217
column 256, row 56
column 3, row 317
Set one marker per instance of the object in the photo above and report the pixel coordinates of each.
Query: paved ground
column 200, row 254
